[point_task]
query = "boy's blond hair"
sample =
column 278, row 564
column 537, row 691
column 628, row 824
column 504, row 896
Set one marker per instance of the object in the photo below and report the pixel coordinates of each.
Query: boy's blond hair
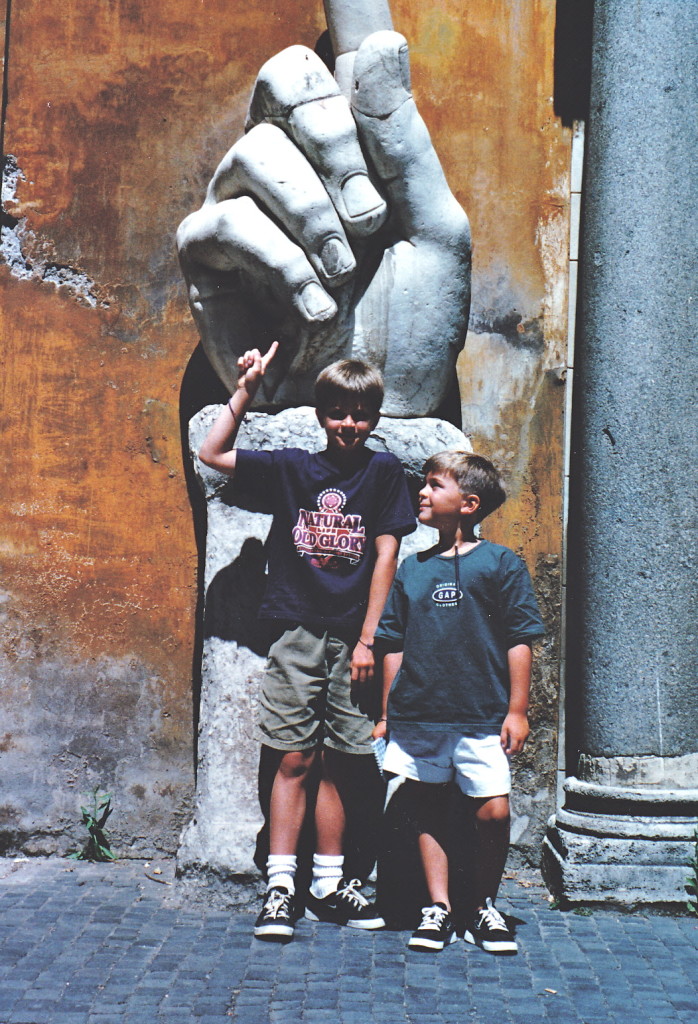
column 349, row 378
column 474, row 474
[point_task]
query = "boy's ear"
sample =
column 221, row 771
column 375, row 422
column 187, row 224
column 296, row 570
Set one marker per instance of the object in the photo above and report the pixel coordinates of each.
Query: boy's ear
column 320, row 417
column 470, row 503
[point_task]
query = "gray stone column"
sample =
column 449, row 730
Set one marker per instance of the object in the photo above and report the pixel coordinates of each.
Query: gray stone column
column 625, row 831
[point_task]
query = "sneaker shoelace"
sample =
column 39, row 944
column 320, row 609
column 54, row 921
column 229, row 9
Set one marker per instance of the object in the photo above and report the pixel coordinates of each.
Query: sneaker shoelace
column 490, row 916
column 433, row 918
column 277, row 903
column 350, row 893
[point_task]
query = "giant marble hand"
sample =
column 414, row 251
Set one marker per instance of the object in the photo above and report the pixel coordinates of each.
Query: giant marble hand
column 330, row 226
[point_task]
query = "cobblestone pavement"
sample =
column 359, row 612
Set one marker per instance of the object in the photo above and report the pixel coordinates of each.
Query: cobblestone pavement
column 124, row 942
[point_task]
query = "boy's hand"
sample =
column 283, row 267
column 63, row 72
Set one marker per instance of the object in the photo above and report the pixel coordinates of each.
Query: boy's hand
column 252, row 366
column 362, row 664
column 514, row 733
column 380, row 730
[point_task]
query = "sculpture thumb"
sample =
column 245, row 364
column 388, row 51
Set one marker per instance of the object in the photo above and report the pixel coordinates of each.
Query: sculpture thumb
column 381, row 74
column 349, row 22
column 395, row 135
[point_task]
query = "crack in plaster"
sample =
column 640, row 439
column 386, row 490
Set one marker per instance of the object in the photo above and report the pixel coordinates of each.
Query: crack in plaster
column 12, row 233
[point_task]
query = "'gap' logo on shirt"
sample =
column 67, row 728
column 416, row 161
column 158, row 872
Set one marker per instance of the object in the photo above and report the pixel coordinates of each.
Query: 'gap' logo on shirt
column 447, row 595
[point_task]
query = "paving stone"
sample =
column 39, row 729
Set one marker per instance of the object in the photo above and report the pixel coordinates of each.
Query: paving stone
column 88, row 947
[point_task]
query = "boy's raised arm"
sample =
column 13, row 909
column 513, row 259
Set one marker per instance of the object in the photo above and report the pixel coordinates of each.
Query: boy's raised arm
column 362, row 660
column 515, row 729
column 217, row 451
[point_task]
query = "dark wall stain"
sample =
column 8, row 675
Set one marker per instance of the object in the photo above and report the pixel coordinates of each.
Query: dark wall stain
column 519, row 333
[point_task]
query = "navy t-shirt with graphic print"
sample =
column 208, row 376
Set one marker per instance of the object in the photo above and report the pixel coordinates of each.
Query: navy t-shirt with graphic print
column 455, row 640
column 321, row 546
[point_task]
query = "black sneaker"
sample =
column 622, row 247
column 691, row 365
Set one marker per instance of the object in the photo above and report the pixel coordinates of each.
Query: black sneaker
column 489, row 930
column 345, row 906
column 436, row 929
column 276, row 922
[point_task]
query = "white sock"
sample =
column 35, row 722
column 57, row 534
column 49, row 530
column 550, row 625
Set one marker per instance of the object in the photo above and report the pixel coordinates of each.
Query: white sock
column 327, row 874
column 281, row 870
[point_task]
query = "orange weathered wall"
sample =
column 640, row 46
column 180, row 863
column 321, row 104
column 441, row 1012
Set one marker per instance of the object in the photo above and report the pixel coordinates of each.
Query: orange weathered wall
column 117, row 115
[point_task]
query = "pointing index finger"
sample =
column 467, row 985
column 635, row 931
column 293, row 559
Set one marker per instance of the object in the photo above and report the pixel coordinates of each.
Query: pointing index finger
column 349, row 22
column 267, row 358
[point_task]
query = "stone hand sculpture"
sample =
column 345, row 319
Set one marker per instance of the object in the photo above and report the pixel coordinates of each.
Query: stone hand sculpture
column 330, row 226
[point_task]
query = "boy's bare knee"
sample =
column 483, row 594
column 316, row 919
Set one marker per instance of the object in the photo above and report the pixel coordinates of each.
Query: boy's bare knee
column 494, row 809
column 296, row 764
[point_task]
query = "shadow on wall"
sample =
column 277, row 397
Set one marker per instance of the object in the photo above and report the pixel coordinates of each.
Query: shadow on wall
column 234, row 596
column 572, row 88
column 200, row 387
column 572, row 70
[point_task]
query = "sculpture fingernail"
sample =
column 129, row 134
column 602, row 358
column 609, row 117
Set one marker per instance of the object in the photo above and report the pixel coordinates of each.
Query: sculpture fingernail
column 336, row 258
column 361, row 201
column 316, row 303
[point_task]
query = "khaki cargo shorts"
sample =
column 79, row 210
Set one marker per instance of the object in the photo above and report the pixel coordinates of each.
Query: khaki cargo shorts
column 307, row 696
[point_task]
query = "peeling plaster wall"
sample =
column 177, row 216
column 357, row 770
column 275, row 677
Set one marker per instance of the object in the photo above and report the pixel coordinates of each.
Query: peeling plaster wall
column 117, row 115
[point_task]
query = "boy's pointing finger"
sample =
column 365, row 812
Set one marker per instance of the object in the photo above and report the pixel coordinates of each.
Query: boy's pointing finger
column 266, row 359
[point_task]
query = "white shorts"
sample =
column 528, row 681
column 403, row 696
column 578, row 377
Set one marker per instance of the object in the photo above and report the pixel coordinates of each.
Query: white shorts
column 477, row 763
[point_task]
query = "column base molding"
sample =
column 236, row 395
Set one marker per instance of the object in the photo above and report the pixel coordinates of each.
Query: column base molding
column 623, row 846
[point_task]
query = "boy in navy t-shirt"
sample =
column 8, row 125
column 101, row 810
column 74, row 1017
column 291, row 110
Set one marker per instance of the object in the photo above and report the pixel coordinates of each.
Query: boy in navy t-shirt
column 338, row 516
column 457, row 629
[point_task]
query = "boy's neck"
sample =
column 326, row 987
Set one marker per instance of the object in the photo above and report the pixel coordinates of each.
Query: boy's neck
column 458, row 537
column 345, row 459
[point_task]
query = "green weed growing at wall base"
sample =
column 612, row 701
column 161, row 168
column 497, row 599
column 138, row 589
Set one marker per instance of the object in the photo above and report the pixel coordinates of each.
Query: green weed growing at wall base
column 97, row 847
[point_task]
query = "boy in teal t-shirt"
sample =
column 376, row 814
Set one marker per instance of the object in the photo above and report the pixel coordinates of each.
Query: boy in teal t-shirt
column 456, row 631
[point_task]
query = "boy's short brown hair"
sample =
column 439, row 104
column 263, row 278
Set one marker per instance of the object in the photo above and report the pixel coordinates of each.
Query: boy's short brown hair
column 349, row 378
column 474, row 474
